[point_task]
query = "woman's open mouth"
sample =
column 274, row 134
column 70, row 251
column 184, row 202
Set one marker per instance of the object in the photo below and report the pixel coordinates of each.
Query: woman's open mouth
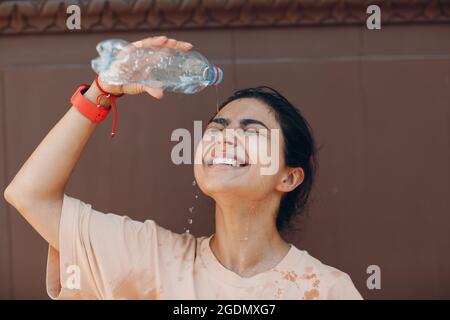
column 225, row 162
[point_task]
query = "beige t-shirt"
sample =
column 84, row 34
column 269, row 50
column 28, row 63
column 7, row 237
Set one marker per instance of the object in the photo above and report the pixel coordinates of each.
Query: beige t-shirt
column 107, row 256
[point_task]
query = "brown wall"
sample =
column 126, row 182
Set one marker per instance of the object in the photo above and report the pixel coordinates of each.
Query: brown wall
column 378, row 103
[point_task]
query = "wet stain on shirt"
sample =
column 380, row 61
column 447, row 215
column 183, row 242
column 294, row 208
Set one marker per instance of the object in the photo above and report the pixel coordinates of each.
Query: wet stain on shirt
column 311, row 280
column 311, row 294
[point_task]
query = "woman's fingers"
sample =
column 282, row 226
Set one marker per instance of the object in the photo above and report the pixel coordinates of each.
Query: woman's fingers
column 163, row 41
column 171, row 43
column 183, row 46
column 151, row 42
column 132, row 88
column 180, row 45
column 160, row 41
column 135, row 88
column 156, row 93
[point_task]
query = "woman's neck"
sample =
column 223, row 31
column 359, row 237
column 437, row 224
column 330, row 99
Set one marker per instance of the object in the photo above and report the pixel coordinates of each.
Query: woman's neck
column 246, row 240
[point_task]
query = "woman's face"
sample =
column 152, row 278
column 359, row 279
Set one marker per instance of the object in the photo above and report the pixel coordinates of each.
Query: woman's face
column 241, row 152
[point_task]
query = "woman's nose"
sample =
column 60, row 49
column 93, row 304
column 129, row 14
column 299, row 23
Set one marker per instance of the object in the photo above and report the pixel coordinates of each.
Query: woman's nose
column 231, row 136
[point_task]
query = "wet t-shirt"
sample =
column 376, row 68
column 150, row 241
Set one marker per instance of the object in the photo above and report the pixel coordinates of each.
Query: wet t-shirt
column 107, row 256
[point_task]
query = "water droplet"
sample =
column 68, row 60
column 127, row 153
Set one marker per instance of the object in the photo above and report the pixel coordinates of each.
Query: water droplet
column 189, row 220
column 196, row 196
column 194, row 183
column 191, row 209
column 217, row 99
column 187, row 231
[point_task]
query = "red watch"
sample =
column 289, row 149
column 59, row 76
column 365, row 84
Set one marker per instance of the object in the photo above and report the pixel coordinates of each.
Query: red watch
column 92, row 111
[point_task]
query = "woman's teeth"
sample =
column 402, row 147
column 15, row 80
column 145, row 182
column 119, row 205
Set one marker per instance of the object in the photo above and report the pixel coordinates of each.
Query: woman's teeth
column 227, row 161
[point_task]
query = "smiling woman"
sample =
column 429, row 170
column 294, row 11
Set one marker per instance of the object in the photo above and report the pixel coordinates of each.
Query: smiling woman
column 93, row 255
column 296, row 144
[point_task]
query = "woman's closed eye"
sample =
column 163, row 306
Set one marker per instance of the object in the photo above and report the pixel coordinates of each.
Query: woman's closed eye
column 251, row 131
column 247, row 130
column 256, row 131
column 213, row 130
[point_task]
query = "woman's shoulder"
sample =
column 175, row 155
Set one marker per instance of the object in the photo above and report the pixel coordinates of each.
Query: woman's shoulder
column 311, row 264
column 337, row 282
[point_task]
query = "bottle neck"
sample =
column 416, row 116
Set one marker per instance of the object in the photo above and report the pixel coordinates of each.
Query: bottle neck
column 213, row 75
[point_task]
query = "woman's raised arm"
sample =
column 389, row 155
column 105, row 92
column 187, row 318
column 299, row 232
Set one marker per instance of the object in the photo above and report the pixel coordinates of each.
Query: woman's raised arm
column 37, row 190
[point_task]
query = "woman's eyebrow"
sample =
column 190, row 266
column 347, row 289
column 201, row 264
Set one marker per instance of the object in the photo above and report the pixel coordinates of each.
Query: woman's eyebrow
column 242, row 122
column 246, row 122
column 222, row 121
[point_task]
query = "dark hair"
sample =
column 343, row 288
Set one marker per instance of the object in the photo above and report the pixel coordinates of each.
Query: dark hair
column 299, row 147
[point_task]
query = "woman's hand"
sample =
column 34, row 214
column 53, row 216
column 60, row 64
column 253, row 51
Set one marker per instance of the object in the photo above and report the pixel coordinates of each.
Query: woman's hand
column 134, row 88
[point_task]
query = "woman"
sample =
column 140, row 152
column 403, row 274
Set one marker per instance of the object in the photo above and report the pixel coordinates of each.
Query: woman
column 106, row 256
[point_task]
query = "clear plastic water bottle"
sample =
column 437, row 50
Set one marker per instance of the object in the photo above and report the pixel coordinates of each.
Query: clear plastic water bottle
column 120, row 62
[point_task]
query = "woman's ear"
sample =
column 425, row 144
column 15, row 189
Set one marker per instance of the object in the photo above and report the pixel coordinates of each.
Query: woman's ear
column 291, row 180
